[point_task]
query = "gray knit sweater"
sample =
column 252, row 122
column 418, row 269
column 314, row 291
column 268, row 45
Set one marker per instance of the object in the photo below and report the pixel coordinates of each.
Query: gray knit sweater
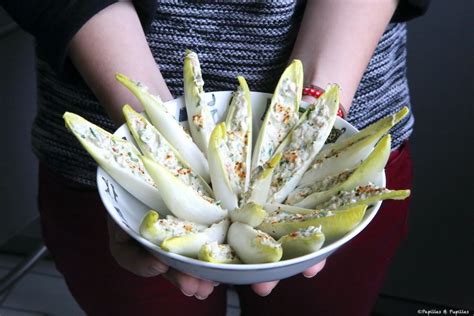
column 231, row 38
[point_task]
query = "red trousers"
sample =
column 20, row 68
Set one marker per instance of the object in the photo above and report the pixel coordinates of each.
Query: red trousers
column 75, row 232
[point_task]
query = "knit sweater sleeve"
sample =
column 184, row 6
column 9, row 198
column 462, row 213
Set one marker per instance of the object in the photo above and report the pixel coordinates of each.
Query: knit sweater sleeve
column 53, row 23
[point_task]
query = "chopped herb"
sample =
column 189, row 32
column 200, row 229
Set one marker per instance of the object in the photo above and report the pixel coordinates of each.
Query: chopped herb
column 93, row 133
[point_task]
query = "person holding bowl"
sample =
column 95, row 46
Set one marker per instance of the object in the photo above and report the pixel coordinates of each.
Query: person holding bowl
column 361, row 45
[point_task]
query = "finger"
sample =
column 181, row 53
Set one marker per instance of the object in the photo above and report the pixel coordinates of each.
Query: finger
column 189, row 285
column 131, row 256
column 186, row 283
column 312, row 271
column 205, row 289
column 265, row 288
column 135, row 259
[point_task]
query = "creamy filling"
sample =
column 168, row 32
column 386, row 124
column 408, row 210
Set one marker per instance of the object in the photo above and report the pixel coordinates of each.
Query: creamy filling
column 282, row 216
column 330, row 153
column 331, row 181
column 237, row 146
column 162, row 152
column 255, row 175
column 202, row 118
column 302, row 148
column 320, row 186
column 266, row 240
column 281, row 119
column 211, row 200
column 169, row 108
column 175, row 227
column 306, row 232
column 358, row 194
column 237, row 142
column 239, row 121
column 229, row 160
column 220, row 252
column 197, row 75
column 118, row 152
column 335, row 152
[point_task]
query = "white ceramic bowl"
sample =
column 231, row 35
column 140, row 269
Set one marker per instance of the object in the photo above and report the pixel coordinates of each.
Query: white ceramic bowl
column 128, row 212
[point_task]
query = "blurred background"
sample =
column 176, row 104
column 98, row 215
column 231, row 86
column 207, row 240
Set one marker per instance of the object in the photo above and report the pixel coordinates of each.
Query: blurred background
column 433, row 269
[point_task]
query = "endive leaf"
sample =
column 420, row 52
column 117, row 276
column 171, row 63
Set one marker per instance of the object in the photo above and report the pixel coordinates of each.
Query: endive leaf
column 381, row 127
column 156, row 230
column 304, row 143
column 190, row 244
column 168, row 126
column 273, row 207
column 201, row 122
column 217, row 253
column 182, row 200
column 154, row 146
column 363, row 194
column 239, row 136
column 251, row 214
column 260, row 182
column 281, row 115
column 118, row 157
column 252, row 245
column 302, row 242
column 349, row 152
column 321, row 191
column 220, row 166
column 334, row 224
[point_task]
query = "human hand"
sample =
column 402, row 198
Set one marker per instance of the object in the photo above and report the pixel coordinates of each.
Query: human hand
column 132, row 257
column 265, row 288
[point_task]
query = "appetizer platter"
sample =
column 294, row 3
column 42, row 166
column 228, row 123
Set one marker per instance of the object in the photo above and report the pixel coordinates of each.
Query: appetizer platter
column 239, row 186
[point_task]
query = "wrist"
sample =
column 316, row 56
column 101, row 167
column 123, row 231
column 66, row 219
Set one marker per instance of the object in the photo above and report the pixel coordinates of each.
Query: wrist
column 316, row 92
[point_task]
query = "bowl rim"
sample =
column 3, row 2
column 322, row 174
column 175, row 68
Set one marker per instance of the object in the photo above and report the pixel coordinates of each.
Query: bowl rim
column 367, row 219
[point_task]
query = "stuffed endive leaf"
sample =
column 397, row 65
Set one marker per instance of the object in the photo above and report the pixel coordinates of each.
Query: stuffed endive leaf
column 118, row 157
column 252, row 245
column 156, row 230
column 251, row 214
column 190, row 244
column 273, row 207
column 260, row 182
column 303, row 144
column 217, row 253
column 349, row 152
column 281, row 115
column 334, row 224
column 321, row 191
column 182, row 200
column 302, row 242
column 170, row 128
column 201, row 122
column 362, row 194
column 239, row 136
column 154, row 146
column 221, row 167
